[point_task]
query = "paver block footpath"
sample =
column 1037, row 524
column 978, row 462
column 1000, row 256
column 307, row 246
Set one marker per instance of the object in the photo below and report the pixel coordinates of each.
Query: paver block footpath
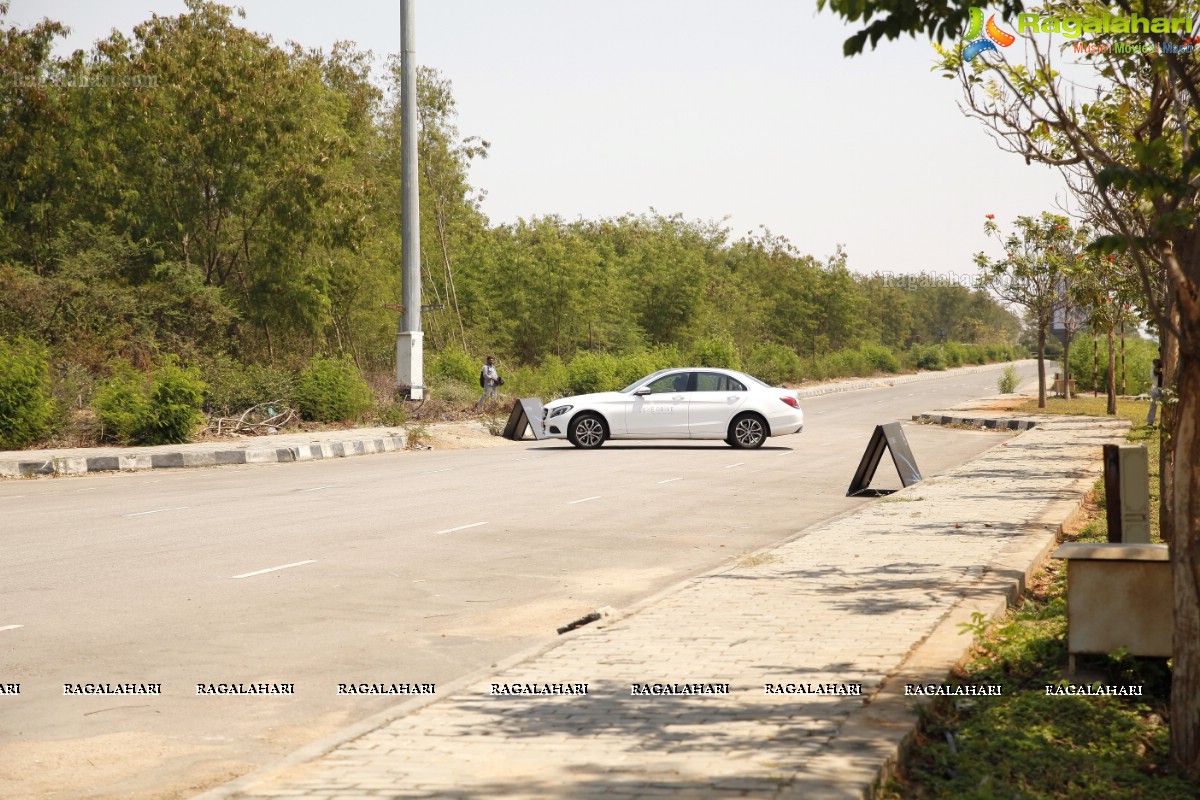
column 869, row 599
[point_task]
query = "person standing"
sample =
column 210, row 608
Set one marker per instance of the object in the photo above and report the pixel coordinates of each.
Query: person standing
column 489, row 379
column 1156, row 379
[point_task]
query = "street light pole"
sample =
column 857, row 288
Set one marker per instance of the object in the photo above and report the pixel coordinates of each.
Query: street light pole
column 410, row 374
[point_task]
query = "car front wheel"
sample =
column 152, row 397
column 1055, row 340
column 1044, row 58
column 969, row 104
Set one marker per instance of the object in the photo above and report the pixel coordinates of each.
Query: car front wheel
column 587, row 431
column 747, row 432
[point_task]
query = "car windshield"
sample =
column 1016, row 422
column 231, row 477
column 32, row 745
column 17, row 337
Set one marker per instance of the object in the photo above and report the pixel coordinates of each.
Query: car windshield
column 640, row 381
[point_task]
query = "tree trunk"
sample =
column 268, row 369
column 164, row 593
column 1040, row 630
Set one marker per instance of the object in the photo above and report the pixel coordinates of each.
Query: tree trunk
column 1041, row 355
column 1168, row 350
column 1185, row 565
column 1067, row 363
column 1111, row 386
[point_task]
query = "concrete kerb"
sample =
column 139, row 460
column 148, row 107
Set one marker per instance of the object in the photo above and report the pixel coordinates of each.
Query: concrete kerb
column 282, row 450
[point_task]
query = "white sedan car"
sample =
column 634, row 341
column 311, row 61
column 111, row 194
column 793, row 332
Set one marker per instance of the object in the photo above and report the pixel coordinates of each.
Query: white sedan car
column 689, row 403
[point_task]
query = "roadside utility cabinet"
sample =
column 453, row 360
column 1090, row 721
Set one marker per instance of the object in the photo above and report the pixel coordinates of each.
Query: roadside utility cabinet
column 1118, row 595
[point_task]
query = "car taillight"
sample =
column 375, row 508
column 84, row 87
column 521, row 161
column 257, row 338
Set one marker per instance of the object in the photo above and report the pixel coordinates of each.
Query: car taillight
column 791, row 401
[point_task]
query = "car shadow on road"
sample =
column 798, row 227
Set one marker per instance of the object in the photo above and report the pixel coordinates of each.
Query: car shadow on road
column 612, row 446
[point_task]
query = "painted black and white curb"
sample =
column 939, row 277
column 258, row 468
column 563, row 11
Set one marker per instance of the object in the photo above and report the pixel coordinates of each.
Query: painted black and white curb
column 78, row 465
column 994, row 423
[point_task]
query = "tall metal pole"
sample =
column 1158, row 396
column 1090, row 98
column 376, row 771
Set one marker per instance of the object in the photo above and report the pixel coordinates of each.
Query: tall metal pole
column 410, row 373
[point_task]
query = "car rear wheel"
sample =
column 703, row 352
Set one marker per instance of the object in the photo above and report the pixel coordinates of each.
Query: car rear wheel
column 747, row 432
column 587, row 431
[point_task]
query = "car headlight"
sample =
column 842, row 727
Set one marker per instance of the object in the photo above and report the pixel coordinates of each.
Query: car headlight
column 559, row 411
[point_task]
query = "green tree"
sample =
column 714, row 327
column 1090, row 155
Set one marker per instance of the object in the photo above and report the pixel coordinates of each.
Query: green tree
column 1030, row 275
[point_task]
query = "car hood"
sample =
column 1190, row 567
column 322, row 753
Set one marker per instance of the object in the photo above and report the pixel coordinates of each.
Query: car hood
column 588, row 399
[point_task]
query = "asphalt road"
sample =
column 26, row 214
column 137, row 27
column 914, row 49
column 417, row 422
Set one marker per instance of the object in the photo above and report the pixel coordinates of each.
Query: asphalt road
column 405, row 568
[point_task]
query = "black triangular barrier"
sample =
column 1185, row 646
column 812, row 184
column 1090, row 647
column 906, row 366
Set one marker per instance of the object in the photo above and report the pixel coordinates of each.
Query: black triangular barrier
column 889, row 436
column 525, row 412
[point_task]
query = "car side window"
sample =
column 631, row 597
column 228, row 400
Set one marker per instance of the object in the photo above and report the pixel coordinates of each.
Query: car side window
column 670, row 383
column 716, row 382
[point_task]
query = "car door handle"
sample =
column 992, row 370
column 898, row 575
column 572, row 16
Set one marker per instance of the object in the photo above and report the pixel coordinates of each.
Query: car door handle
column 679, row 397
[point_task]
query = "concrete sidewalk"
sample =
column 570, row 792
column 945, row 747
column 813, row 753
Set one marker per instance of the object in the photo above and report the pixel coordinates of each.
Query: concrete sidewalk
column 872, row 599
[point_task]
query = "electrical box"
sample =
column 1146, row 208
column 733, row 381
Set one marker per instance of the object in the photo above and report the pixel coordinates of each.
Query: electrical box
column 1127, row 493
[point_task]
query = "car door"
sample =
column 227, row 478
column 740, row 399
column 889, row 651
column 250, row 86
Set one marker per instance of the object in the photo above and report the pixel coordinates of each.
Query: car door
column 663, row 411
column 717, row 400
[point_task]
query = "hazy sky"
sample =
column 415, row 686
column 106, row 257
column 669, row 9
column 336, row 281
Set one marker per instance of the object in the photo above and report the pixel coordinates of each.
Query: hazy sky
column 745, row 111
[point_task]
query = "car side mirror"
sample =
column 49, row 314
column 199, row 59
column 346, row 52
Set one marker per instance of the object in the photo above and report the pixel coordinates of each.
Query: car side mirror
column 643, row 391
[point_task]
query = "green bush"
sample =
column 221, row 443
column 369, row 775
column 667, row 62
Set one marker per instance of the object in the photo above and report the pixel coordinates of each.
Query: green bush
column 593, row 372
column 164, row 408
column 928, row 357
column 640, row 363
column 27, row 409
column 233, row 387
column 454, row 364
column 122, row 404
column 955, row 354
column 880, row 358
column 173, row 410
column 332, row 390
column 843, row 364
column 1004, row 352
column 1008, row 380
column 715, row 351
column 773, row 364
column 553, row 379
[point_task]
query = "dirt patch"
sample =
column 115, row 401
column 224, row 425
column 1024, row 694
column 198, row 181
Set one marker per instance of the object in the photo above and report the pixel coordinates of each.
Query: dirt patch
column 460, row 435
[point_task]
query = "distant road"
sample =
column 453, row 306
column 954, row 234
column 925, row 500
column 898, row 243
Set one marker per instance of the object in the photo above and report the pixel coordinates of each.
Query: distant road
column 407, row 568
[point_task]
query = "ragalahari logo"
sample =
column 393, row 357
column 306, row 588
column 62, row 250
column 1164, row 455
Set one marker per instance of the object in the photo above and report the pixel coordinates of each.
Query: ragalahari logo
column 981, row 38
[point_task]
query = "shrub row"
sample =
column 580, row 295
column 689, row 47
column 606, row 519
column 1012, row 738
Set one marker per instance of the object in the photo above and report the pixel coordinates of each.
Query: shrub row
column 772, row 363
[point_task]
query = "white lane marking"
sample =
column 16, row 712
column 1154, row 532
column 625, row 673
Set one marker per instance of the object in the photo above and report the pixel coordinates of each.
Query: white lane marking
column 731, row 466
column 787, row 452
column 584, row 500
column 460, row 528
column 273, row 569
column 11, row 497
column 313, row 489
column 155, row 511
column 436, row 471
column 671, row 480
column 10, row 627
column 88, row 489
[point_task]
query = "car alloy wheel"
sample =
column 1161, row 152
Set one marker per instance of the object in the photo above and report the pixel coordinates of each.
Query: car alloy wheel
column 587, row 431
column 748, row 432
